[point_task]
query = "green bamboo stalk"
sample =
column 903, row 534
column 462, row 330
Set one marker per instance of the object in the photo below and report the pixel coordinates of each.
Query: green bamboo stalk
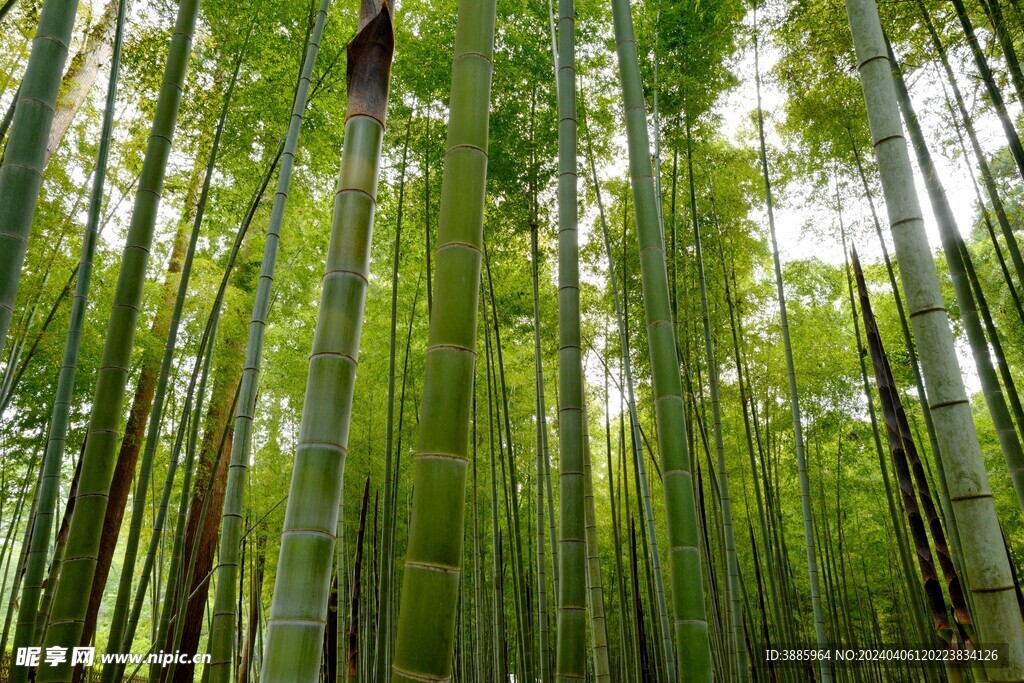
column 995, row 95
column 645, row 509
column 994, row 12
column 824, row 666
column 690, row 628
column 549, row 500
column 22, row 555
column 393, row 600
column 206, row 343
column 499, row 667
column 21, row 172
column 626, row 639
column 988, row 572
column 625, row 654
column 571, row 629
column 480, row 646
column 70, row 600
column 58, row 429
column 595, row 586
column 426, row 617
column 426, row 213
column 302, row 585
column 115, row 643
column 511, row 491
column 629, row 605
column 735, row 639
column 221, row 638
column 60, row 542
column 769, row 555
column 542, row 455
column 383, row 639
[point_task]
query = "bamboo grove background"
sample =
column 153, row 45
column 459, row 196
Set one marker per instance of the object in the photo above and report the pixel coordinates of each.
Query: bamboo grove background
column 492, row 341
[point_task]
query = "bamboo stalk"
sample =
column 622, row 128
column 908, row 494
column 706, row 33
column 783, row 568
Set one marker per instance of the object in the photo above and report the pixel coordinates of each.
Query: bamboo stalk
column 302, row 585
column 70, row 601
column 690, row 627
column 988, row 572
column 21, row 172
column 26, row 630
column 426, row 617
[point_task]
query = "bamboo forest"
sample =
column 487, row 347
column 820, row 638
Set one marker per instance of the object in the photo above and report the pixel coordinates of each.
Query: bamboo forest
column 506, row 341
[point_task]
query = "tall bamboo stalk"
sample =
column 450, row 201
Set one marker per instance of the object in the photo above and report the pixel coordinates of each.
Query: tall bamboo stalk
column 115, row 643
column 142, row 580
column 499, row 667
column 426, row 618
column 903, row 549
column 383, row 638
column 571, row 630
column 302, row 585
column 988, row 572
column 735, row 638
column 47, row 494
column 595, row 585
column 21, row 173
column 824, row 666
column 900, row 446
column 622, row 326
column 1009, row 442
column 763, row 519
column 994, row 12
column 690, row 628
column 542, row 455
column 70, row 601
column 511, row 490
